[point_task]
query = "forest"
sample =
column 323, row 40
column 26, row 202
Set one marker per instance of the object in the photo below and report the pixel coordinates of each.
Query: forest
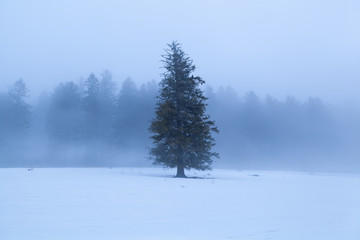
column 100, row 122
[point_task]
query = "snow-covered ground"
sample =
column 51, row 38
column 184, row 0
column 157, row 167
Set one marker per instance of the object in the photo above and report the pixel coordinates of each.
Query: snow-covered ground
column 125, row 203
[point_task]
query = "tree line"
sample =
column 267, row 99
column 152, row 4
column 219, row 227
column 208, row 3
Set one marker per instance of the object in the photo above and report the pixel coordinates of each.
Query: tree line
column 93, row 111
column 267, row 130
column 82, row 122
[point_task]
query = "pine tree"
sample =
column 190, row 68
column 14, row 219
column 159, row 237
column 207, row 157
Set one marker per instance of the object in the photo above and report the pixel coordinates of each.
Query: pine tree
column 64, row 117
column 20, row 112
column 92, row 108
column 181, row 129
column 127, row 114
column 107, row 100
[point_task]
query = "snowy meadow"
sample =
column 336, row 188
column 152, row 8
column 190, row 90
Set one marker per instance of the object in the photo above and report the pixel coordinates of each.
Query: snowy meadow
column 148, row 203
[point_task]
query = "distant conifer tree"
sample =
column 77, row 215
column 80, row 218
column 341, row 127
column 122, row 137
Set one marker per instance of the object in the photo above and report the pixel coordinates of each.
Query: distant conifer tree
column 20, row 112
column 92, row 108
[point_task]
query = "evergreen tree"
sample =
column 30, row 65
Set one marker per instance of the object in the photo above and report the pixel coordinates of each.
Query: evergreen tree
column 64, row 118
column 127, row 117
column 92, row 108
column 5, row 119
column 181, row 129
column 15, row 123
column 107, row 100
column 20, row 111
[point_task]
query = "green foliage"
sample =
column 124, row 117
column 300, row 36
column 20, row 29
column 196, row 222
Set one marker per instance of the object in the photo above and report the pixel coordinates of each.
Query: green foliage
column 181, row 129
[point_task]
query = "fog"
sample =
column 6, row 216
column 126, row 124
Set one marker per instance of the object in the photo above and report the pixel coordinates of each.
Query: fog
column 97, row 122
column 282, row 80
column 299, row 48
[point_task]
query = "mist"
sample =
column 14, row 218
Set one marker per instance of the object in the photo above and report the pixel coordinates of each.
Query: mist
column 282, row 80
column 99, row 122
column 298, row 48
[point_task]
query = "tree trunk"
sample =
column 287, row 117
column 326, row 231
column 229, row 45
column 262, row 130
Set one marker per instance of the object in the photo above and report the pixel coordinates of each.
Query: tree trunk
column 180, row 171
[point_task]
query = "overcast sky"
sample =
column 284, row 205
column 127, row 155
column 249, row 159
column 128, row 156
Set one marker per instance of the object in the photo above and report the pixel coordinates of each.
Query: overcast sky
column 277, row 47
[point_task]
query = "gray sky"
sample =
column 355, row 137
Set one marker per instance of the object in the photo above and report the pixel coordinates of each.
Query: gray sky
column 297, row 47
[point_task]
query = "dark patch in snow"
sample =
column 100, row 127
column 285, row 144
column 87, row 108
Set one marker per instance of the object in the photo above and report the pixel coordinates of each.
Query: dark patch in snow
column 254, row 175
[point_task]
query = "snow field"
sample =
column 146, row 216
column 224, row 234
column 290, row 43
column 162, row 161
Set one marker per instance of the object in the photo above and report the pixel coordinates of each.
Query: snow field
column 148, row 203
